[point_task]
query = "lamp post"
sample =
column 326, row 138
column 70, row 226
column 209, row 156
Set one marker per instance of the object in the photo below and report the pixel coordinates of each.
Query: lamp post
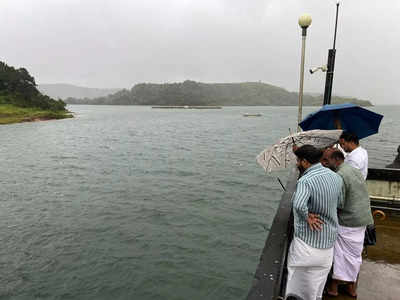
column 304, row 21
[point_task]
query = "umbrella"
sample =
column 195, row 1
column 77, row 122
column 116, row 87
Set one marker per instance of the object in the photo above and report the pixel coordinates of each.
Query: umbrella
column 347, row 116
column 281, row 155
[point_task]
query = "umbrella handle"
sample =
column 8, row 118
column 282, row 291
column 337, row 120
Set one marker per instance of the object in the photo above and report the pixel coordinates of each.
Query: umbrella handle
column 294, row 147
column 336, row 121
column 338, row 124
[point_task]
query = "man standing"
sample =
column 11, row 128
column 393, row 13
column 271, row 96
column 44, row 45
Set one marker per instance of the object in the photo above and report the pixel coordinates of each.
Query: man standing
column 354, row 215
column 315, row 203
column 356, row 156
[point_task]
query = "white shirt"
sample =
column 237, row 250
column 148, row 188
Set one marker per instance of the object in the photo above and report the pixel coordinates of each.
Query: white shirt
column 358, row 158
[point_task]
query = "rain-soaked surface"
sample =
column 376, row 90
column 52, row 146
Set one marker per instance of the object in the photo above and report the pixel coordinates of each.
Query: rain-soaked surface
column 380, row 272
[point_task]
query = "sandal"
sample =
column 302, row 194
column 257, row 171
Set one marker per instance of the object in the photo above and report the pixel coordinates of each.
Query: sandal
column 332, row 294
column 348, row 293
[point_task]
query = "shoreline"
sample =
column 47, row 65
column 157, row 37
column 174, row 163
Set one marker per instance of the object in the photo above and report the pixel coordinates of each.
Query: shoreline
column 11, row 114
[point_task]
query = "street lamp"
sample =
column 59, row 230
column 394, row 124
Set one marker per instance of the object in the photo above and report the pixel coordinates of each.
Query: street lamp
column 304, row 21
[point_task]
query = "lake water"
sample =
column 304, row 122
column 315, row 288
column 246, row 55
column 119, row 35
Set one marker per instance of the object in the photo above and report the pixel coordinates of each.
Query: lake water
column 129, row 202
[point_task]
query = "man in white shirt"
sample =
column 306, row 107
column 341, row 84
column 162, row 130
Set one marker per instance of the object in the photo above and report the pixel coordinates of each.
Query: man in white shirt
column 356, row 156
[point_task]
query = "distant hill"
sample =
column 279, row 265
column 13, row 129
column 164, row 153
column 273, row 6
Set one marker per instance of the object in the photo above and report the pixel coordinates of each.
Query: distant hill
column 63, row 91
column 221, row 94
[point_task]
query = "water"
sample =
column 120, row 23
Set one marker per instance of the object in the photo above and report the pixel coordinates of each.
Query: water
column 127, row 202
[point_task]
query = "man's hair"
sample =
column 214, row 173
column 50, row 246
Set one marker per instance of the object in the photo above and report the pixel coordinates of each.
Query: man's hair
column 349, row 137
column 309, row 153
column 337, row 155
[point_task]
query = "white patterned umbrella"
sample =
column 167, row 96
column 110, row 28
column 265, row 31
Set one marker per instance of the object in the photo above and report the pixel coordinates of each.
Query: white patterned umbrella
column 280, row 155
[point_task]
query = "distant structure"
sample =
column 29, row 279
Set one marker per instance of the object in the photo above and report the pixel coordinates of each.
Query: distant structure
column 396, row 163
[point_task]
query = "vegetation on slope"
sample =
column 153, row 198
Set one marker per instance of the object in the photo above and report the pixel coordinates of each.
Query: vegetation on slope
column 20, row 100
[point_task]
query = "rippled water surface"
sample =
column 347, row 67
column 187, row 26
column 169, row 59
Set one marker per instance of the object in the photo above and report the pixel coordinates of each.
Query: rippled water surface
column 128, row 202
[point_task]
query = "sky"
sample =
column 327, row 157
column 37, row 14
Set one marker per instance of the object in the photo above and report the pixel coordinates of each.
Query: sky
column 118, row 43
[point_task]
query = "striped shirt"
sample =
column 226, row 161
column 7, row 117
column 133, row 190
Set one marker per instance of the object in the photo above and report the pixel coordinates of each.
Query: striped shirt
column 318, row 191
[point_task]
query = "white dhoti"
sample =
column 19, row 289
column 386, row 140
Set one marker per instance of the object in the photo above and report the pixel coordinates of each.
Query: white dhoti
column 308, row 270
column 347, row 253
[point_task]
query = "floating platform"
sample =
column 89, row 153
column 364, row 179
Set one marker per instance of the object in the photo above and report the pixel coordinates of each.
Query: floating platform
column 187, row 107
column 252, row 115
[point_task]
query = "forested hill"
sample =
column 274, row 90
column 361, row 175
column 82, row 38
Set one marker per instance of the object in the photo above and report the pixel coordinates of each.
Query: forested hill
column 18, row 88
column 196, row 93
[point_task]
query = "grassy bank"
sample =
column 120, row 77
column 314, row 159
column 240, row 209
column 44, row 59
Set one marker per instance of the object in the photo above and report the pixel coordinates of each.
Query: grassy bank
column 13, row 114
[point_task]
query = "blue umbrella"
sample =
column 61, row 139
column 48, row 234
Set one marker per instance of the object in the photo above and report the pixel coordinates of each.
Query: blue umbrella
column 347, row 116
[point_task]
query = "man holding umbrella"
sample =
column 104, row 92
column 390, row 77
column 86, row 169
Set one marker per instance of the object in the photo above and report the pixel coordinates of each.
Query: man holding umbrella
column 357, row 123
column 356, row 156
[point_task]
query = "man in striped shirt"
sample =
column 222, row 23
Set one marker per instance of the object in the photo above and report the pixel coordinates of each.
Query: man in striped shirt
column 318, row 194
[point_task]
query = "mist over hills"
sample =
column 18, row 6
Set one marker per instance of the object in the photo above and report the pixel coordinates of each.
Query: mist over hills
column 63, row 91
column 197, row 93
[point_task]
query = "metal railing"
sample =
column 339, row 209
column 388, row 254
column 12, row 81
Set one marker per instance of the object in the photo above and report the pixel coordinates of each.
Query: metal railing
column 270, row 277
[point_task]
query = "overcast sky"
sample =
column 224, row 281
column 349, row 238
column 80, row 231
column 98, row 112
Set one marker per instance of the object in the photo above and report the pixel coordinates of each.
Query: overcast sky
column 117, row 43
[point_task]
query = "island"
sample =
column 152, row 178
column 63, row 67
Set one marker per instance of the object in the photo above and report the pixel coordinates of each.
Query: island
column 192, row 93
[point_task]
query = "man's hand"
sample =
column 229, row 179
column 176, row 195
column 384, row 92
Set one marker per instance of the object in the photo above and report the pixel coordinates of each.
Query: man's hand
column 294, row 148
column 314, row 222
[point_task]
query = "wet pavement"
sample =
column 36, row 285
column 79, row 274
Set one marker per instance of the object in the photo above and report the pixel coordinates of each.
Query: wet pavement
column 380, row 272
